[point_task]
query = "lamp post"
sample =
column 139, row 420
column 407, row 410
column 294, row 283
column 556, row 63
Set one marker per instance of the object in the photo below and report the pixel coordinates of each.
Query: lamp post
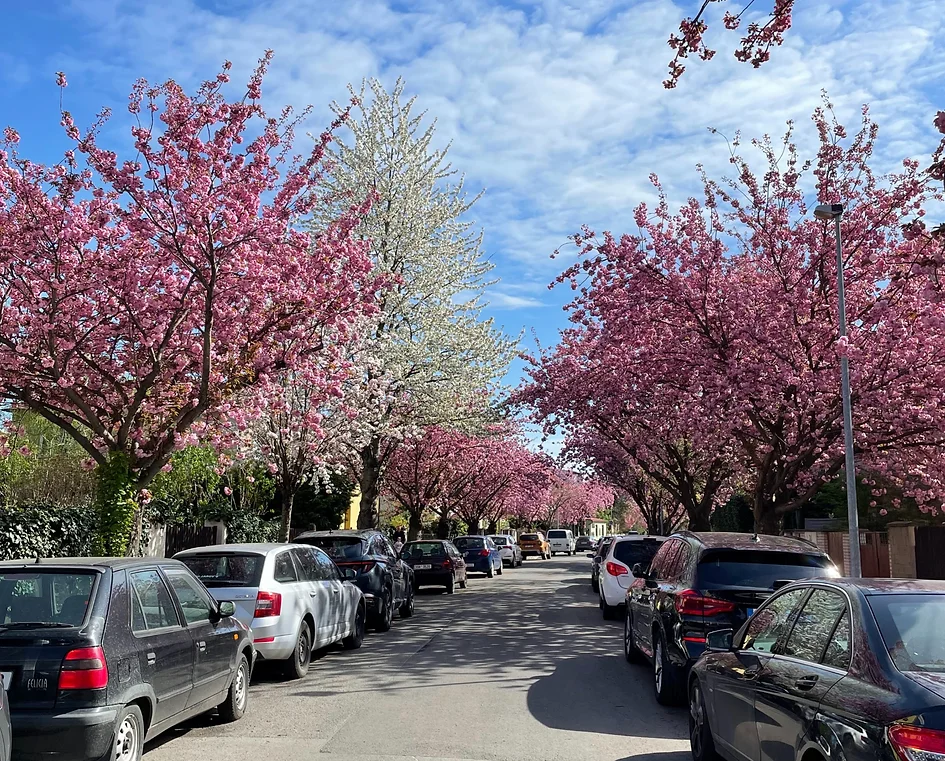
column 826, row 212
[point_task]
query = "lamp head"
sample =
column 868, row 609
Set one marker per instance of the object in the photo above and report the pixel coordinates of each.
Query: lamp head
column 828, row 211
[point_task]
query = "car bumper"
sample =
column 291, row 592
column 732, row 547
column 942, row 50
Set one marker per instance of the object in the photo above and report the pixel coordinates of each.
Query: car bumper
column 527, row 553
column 79, row 735
column 613, row 593
column 432, row 578
column 481, row 565
column 278, row 648
column 560, row 548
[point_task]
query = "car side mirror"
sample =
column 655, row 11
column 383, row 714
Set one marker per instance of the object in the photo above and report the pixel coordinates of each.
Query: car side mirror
column 226, row 609
column 639, row 571
column 350, row 574
column 591, row 555
column 719, row 640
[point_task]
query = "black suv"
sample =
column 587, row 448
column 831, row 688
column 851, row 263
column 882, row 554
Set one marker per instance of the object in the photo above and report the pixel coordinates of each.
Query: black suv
column 386, row 581
column 102, row 654
column 702, row 582
column 597, row 557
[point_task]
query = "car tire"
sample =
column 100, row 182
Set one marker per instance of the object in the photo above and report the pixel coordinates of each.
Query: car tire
column 385, row 614
column 296, row 665
column 609, row 611
column 666, row 677
column 553, row 554
column 630, row 651
column 595, row 585
column 406, row 610
column 490, row 573
column 354, row 640
column 700, row 733
column 463, row 583
column 451, row 586
column 500, row 570
column 237, row 697
column 128, row 740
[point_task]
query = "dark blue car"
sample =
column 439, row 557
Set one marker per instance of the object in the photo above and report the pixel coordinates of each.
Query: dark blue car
column 481, row 554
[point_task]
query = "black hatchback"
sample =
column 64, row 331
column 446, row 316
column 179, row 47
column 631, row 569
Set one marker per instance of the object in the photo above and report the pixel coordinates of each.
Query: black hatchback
column 99, row 655
column 845, row 669
column 701, row 582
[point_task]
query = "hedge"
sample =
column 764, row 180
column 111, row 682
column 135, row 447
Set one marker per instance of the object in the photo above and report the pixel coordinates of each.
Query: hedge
column 46, row 531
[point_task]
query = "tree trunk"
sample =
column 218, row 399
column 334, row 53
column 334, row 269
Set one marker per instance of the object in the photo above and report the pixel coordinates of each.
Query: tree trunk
column 767, row 520
column 370, row 482
column 443, row 528
column 116, row 506
column 415, row 525
column 493, row 527
column 287, row 499
column 699, row 517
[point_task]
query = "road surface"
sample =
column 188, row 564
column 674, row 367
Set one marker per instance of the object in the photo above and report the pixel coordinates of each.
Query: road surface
column 516, row 668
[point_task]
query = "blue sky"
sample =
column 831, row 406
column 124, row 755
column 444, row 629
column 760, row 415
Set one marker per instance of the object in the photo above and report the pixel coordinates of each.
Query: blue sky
column 555, row 108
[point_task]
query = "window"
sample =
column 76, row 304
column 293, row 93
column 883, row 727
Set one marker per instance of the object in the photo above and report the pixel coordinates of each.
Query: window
column 226, row 570
column 425, row 550
column 151, row 604
column 326, row 566
column 308, row 566
column 193, row 598
column 911, row 627
column 838, row 649
column 340, row 547
column 667, row 560
column 635, row 551
column 771, row 622
column 815, row 623
column 45, row 597
column 466, row 543
column 284, row 570
column 757, row 569
column 557, row 534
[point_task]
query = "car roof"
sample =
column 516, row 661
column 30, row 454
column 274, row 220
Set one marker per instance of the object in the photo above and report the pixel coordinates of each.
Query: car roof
column 441, row 541
column 728, row 540
column 258, row 548
column 636, row 538
column 472, row 536
column 96, row 563
column 360, row 533
column 889, row 586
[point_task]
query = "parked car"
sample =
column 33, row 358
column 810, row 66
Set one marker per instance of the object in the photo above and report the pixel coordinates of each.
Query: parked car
column 585, row 543
column 435, row 562
column 509, row 550
column 702, row 582
column 481, row 554
column 561, row 540
column 597, row 557
column 99, row 655
column 623, row 553
column 832, row 669
column 534, row 544
column 386, row 580
column 293, row 597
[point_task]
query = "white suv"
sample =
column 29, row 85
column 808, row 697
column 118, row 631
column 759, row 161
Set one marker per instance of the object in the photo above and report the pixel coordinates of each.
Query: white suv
column 561, row 540
column 292, row 596
column 616, row 569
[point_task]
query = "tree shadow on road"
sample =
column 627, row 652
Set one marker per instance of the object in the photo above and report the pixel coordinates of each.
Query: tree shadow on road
column 669, row 755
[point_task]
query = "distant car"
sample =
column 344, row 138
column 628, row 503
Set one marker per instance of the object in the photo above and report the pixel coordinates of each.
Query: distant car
column 623, row 554
column 597, row 557
column 435, row 562
column 561, row 540
column 584, row 544
column 701, row 582
column 99, row 655
column 830, row 669
column 480, row 554
column 293, row 597
column 534, row 544
column 386, row 580
column 509, row 550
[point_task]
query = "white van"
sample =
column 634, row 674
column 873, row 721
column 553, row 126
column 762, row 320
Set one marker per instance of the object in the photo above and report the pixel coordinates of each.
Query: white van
column 561, row 540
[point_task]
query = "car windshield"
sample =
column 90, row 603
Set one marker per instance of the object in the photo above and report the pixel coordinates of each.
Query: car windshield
column 52, row 598
column 636, row 551
column 416, row 550
column 758, row 569
column 529, row 537
column 912, row 626
column 500, row 539
column 338, row 547
column 226, row 570
column 556, row 534
column 470, row 543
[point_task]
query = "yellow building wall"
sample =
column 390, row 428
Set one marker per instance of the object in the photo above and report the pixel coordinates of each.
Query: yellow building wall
column 350, row 519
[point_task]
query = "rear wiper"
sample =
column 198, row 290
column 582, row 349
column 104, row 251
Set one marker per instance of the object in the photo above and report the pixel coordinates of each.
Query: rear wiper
column 35, row 625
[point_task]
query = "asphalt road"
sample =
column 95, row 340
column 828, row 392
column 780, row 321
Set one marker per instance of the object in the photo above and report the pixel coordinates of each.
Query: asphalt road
column 519, row 667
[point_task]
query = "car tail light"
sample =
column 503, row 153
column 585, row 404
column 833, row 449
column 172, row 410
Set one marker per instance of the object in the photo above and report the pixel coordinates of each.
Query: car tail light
column 691, row 603
column 484, row 552
column 917, row 743
column 84, row 669
column 267, row 604
column 447, row 563
column 360, row 567
column 263, row 640
column 616, row 569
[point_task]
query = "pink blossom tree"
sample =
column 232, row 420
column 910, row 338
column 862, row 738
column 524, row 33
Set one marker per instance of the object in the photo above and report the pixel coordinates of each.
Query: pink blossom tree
column 139, row 296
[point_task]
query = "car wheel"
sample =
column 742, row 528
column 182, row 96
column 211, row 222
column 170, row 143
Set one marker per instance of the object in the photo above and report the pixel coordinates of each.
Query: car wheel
column 609, row 611
column 385, row 613
column 595, row 585
column 500, row 569
column 665, row 675
column 129, row 735
column 491, row 571
column 462, row 584
column 237, row 698
column 700, row 734
column 296, row 665
column 630, row 651
column 354, row 640
column 451, row 586
column 406, row 610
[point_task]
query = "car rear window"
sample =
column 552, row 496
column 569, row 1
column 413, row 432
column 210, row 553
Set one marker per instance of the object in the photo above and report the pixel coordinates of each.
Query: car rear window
column 220, row 569
column 424, row 550
column 470, row 543
column 557, row 534
column 530, row 537
column 500, row 539
column 636, row 551
column 911, row 627
column 338, row 547
column 758, row 569
column 43, row 597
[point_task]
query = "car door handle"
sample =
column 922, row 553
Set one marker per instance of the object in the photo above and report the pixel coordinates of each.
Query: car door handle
column 313, row 594
column 335, row 591
column 806, row 682
column 152, row 659
column 201, row 646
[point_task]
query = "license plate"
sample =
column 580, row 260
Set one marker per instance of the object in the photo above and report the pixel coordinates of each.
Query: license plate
column 750, row 611
column 6, row 677
column 422, row 567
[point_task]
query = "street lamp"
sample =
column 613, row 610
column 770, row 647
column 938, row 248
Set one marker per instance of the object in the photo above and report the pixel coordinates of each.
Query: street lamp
column 826, row 212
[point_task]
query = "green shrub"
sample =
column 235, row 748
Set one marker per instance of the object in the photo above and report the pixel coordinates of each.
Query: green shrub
column 46, row 531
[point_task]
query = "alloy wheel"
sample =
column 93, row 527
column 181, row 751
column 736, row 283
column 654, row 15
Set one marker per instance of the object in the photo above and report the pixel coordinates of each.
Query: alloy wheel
column 696, row 722
column 627, row 636
column 658, row 666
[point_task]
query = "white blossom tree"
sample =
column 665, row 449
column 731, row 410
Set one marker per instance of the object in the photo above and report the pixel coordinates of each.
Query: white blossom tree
column 438, row 353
